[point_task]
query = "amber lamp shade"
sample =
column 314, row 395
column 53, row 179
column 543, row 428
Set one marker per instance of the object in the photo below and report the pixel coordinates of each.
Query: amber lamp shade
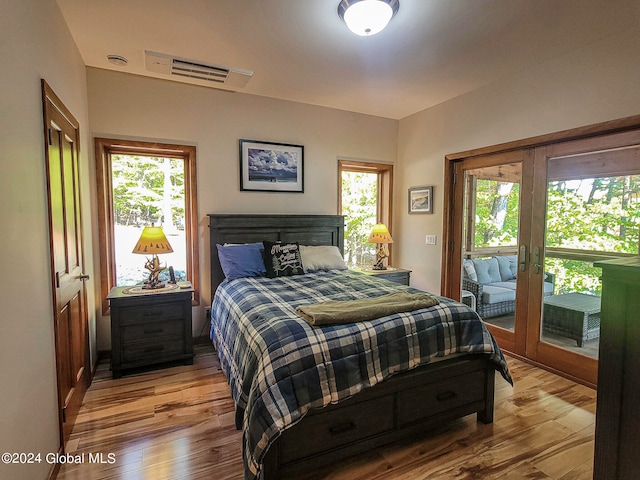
column 152, row 242
column 380, row 235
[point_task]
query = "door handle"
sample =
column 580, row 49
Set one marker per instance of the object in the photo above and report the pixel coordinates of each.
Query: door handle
column 536, row 260
column 522, row 258
column 84, row 277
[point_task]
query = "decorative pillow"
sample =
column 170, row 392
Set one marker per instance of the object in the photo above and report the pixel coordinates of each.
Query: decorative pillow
column 282, row 259
column 243, row 260
column 323, row 257
column 508, row 266
column 487, row 270
column 469, row 270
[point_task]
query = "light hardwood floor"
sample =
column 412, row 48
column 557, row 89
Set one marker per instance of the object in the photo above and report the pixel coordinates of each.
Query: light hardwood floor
column 178, row 423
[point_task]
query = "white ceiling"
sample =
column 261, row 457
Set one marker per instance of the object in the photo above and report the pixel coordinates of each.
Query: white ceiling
column 300, row 50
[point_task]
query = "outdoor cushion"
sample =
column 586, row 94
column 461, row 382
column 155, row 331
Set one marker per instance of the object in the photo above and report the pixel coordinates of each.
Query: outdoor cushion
column 469, row 270
column 493, row 294
column 508, row 266
column 510, row 285
column 487, row 270
column 548, row 287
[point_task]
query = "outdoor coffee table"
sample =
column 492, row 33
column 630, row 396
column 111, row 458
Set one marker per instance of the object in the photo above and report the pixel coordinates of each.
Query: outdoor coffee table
column 573, row 315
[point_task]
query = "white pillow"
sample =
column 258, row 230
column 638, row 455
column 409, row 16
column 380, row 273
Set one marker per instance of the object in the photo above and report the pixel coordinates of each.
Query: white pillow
column 324, row 257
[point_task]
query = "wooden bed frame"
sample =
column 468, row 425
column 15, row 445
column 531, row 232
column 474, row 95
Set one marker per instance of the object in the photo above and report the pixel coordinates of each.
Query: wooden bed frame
column 408, row 404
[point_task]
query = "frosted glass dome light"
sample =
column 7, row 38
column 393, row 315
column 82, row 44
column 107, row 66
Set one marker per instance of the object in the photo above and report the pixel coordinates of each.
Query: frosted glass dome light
column 367, row 17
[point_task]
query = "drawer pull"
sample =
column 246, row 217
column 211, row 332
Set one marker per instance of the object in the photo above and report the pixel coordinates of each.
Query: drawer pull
column 445, row 396
column 152, row 314
column 153, row 330
column 344, row 428
column 157, row 348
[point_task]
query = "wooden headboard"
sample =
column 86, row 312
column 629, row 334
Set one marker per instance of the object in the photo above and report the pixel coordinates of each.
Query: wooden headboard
column 243, row 228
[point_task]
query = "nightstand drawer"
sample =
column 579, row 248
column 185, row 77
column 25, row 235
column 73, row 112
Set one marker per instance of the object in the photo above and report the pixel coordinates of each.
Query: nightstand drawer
column 393, row 274
column 151, row 331
column 397, row 277
column 152, row 313
column 147, row 351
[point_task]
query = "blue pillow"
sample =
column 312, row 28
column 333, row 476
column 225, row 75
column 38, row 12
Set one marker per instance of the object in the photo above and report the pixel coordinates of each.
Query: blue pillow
column 239, row 261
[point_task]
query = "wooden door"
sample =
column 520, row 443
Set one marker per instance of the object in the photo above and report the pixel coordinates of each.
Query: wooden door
column 603, row 158
column 69, row 293
column 499, row 179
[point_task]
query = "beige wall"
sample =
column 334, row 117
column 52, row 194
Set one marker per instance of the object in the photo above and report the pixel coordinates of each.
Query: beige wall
column 34, row 43
column 129, row 106
column 590, row 85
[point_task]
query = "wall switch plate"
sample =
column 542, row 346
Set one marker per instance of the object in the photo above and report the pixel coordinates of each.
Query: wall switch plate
column 430, row 240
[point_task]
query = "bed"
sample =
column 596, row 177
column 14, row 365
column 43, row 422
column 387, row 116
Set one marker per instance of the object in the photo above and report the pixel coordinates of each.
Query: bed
column 311, row 395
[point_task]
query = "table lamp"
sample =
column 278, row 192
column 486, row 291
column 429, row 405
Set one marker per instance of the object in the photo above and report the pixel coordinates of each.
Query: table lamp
column 152, row 242
column 381, row 237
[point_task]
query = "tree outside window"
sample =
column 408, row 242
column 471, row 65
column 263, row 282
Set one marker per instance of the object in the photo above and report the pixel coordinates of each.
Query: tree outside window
column 584, row 217
column 147, row 191
column 140, row 184
column 365, row 199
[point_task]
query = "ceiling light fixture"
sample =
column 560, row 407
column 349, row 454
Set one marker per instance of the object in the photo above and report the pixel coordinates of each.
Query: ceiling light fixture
column 367, row 17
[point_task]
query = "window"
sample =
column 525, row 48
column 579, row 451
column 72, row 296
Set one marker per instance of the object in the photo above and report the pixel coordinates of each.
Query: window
column 140, row 184
column 491, row 209
column 364, row 200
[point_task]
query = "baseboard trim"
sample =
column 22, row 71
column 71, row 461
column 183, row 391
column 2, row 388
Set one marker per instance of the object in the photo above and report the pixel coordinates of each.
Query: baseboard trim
column 201, row 340
column 104, row 355
column 542, row 366
column 55, row 469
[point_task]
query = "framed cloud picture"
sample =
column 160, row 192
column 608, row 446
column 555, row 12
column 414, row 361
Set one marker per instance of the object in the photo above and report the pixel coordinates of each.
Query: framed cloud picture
column 421, row 199
column 271, row 167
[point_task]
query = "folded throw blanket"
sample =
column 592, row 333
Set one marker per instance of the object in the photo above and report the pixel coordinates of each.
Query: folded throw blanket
column 350, row 311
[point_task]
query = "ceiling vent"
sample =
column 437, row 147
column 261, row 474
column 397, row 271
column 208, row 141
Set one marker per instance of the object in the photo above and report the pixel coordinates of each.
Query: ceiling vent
column 194, row 70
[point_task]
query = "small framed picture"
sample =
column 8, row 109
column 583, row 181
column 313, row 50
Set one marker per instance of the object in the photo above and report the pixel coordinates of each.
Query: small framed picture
column 271, row 167
column 421, row 199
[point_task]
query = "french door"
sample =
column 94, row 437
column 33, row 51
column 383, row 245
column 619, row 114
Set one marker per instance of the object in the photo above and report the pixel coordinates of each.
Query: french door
column 590, row 212
column 491, row 206
column 552, row 209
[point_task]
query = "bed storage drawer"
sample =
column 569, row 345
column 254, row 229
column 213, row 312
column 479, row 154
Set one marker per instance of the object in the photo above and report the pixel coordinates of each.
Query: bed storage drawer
column 429, row 400
column 404, row 406
column 342, row 426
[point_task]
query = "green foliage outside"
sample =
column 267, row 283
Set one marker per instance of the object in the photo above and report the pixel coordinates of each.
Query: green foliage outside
column 359, row 207
column 601, row 218
column 593, row 215
column 496, row 213
column 146, row 190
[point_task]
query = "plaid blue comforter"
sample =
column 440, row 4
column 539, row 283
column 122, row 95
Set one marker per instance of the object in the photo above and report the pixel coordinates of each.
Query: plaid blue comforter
column 278, row 366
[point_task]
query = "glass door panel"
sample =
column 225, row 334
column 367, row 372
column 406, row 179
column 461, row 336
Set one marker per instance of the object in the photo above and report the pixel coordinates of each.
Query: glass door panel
column 490, row 245
column 587, row 219
column 591, row 213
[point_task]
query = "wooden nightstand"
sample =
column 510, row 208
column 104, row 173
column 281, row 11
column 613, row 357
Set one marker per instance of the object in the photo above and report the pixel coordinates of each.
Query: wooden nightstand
column 398, row 275
column 149, row 328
